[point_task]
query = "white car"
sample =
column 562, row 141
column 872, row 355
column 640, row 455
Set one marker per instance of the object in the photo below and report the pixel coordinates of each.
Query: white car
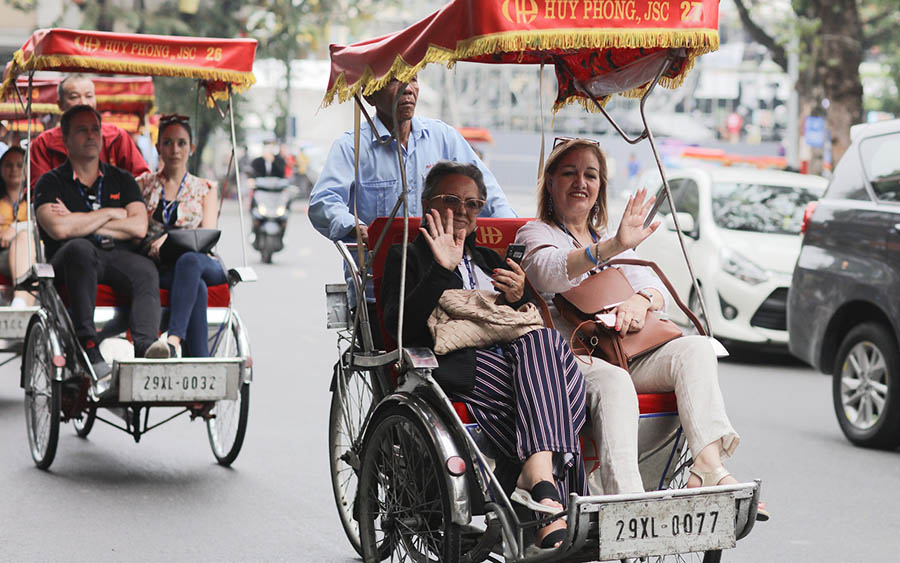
column 742, row 233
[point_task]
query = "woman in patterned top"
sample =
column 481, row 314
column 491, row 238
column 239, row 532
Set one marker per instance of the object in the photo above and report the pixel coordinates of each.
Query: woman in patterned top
column 176, row 199
column 13, row 238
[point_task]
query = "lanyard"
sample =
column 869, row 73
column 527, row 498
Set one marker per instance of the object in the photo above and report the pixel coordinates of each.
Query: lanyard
column 577, row 242
column 92, row 203
column 169, row 208
column 469, row 270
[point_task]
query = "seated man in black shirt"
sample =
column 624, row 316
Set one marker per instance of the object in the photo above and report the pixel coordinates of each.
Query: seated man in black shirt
column 91, row 217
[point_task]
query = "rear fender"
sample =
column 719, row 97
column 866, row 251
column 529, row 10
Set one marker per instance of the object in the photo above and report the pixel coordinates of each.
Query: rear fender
column 442, row 438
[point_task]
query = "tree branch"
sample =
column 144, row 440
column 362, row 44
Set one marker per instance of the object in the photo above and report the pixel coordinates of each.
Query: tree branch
column 779, row 55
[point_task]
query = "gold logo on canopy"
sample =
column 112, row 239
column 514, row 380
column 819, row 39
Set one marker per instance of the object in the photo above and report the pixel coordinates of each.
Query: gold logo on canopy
column 89, row 44
column 526, row 11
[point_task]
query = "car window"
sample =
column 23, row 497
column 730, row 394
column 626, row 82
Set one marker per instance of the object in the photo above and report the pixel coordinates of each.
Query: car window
column 689, row 199
column 675, row 188
column 848, row 181
column 760, row 208
column 881, row 161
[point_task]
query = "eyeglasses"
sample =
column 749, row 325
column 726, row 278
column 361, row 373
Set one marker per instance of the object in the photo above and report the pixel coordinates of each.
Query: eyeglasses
column 450, row 200
column 562, row 140
column 173, row 117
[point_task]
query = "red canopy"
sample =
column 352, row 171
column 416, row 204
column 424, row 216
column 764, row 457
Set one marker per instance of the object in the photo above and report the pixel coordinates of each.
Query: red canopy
column 219, row 62
column 133, row 94
column 609, row 46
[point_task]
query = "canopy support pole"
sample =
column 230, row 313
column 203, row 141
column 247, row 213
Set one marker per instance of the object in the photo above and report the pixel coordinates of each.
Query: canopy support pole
column 27, row 188
column 362, row 312
column 237, row 176
column 648, row 134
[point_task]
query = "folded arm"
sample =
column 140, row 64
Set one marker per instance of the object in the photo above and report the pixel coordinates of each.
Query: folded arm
column 62, row 224
column 132, row 226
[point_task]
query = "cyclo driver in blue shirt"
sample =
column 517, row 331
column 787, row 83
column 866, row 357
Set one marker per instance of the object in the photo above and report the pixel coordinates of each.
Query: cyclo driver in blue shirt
column 424, row 141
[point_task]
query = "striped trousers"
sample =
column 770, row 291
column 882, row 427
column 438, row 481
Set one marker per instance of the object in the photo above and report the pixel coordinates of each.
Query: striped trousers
column 534, row 404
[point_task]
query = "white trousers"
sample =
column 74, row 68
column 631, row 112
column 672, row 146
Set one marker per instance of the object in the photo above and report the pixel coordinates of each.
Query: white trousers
column 686, row 365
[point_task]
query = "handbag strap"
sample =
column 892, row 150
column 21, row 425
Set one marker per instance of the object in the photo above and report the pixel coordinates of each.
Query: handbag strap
column 538, row 300
column 662, row 277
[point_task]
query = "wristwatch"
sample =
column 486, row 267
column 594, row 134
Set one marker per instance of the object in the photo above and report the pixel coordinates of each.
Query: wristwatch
column 646, row 295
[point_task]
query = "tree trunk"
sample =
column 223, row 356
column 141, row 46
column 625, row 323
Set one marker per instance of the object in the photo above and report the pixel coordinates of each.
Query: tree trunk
column 842, row 54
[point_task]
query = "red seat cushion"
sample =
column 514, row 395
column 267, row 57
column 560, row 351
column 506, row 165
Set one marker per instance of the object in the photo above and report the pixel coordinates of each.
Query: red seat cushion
column 657, row 403
column 219, row 296
column 5, row 280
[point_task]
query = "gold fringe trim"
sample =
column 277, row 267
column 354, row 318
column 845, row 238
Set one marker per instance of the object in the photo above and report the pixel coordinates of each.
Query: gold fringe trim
column 241, row 81
column 699, row 41
column 39, row 109
column 124, row 98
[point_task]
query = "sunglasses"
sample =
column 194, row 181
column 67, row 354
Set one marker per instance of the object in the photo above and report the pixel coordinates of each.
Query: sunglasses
column 450, row 200
column 563, row 140
column 173, row 117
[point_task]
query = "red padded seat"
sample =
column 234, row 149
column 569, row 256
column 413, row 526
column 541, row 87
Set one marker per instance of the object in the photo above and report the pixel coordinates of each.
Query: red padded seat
column 657, row 403
column 5, row 280
column 219, row 296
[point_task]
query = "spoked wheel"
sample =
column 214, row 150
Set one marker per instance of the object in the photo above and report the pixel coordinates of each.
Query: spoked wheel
column 227, row 424
column 404, row 506
column 84, row 425
column 865, row 397
column 43, row 397
column 354, row 396
column 678, row 476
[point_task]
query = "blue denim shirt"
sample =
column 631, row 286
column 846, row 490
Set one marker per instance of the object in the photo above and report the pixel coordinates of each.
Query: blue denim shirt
column 430, row 141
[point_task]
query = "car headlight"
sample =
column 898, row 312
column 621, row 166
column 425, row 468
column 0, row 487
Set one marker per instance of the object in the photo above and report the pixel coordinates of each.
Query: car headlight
column 742, row 268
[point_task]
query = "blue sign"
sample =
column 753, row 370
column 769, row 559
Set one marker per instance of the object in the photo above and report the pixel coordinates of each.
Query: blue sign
column 814, row 133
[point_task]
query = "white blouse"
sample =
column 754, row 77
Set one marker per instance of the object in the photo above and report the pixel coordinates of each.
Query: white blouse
column 547, row 248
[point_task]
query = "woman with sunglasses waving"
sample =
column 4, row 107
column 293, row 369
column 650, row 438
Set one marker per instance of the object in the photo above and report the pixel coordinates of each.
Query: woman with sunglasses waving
column 567, row 244
column 526, row 394
column 176, row 199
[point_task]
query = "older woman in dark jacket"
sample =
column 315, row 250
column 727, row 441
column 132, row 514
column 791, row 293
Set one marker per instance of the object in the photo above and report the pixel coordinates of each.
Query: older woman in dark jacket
column 528, row 395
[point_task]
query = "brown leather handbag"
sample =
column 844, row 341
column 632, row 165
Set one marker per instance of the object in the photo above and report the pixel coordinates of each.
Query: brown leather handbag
column 600, row 293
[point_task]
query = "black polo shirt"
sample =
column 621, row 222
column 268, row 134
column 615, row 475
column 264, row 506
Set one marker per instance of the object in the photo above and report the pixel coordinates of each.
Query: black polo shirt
column 117, row 189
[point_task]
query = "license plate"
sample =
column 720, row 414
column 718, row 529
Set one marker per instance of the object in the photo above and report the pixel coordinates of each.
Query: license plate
column 665, row 526
column 14, row 321
column 210, row 384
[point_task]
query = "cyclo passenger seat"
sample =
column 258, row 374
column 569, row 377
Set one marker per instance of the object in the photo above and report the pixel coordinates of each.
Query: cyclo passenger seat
column 496, row 234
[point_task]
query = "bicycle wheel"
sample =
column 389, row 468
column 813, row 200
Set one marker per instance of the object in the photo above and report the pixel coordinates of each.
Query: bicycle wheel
column 85, row 424
column 404, row 505
column 677, row 478
column 43, row 399
column 354, row 396
column 227, row 424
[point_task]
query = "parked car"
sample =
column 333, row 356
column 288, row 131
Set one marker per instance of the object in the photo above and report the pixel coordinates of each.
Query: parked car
column 844, row 303
column 742, row 228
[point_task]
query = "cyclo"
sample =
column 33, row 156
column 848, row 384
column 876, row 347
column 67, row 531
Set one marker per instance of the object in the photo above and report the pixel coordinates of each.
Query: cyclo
column 56, row 375
column 413, row 475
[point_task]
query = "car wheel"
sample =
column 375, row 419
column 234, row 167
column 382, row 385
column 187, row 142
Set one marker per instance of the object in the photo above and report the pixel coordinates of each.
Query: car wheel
column 866, row 395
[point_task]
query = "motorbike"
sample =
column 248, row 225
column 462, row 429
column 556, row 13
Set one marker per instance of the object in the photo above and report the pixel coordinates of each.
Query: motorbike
column 269, row 209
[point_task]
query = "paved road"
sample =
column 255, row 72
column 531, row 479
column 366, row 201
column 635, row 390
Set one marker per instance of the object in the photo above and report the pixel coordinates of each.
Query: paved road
column 108, row 498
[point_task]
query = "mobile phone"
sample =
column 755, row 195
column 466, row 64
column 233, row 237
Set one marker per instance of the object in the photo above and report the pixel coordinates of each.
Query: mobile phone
column 660, row 198
column 516, row 252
